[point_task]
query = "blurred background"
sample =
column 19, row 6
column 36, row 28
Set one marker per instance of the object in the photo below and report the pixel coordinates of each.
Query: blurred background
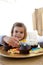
column 12, row 11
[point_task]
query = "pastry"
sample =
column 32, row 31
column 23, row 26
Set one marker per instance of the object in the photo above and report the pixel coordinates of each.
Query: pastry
column 24, row 48
column 14, row 51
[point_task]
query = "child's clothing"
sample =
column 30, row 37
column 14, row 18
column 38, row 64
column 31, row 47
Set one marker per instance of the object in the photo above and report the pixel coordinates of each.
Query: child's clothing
column 1, row 42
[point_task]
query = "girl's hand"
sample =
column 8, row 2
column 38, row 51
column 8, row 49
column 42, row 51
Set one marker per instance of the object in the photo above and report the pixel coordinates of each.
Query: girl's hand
column 11, row 41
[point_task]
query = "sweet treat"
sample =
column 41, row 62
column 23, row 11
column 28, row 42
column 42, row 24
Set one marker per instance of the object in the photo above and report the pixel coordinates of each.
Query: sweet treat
column 36, row 50
column 7, row 47
column 34, row 46
column 24, row 48
column 32, row 39
column 41, row 44
column 14, row 51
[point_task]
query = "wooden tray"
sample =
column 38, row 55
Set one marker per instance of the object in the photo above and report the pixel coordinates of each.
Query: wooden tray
column 6, row 54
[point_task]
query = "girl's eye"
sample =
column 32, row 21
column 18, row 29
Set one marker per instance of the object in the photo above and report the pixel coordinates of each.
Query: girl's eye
column 21, row 32
column 16, row 31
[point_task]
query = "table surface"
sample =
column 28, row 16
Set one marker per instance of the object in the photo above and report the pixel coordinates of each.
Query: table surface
column 31, row 61
column 38, row 60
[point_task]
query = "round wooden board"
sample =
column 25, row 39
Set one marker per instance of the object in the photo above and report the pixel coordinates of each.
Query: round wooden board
column 6, row 54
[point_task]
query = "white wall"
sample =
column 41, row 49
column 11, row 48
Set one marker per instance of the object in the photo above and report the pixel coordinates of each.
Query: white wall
column 17, row 10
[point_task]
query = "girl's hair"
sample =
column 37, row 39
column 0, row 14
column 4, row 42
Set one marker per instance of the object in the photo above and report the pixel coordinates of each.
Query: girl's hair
column 19, row 25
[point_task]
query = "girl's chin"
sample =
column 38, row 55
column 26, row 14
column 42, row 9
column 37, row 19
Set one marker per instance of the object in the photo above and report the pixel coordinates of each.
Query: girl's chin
column 19, row 39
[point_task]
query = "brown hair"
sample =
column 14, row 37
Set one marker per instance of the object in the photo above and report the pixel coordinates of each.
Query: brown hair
column 19, row 25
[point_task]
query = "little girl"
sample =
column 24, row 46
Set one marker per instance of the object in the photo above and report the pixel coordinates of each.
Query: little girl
column 18, row 33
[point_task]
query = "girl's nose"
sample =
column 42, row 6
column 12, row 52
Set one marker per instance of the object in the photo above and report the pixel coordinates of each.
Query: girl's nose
column 18, row 33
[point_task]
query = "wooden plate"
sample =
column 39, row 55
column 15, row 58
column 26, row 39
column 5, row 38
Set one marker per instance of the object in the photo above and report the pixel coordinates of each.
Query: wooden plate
column 6, row 54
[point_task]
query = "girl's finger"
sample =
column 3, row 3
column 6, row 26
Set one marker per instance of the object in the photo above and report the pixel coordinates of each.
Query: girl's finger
column 15, row 38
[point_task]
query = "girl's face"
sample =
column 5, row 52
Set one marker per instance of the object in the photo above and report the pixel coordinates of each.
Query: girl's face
column 18, row 32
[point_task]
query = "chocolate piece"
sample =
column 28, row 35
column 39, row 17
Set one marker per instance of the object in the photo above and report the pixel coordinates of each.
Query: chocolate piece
column 41, row 44
column 24, row 48
column 7, row 47
column 34, row 46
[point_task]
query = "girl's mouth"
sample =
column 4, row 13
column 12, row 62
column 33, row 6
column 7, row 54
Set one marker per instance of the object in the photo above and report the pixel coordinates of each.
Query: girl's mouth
column 17, row 37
